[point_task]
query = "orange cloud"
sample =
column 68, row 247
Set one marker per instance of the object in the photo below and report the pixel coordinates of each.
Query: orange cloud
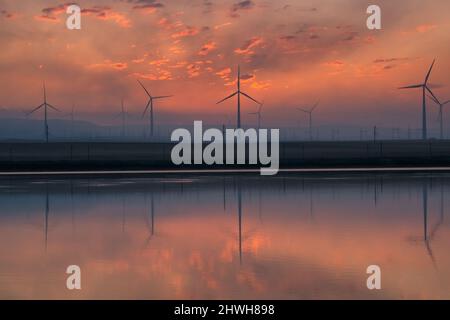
column 46, row 18
column 334, row 63
column 180, row 64
column 224, row 74
column 247, row 48
column 220, row 26
column 148, row 7
column 175, row 49
column 425, row 28
column 186, row 32
column 193, row 70
column 207, row 48
column 161, row 75
column 146, row 76
column 140, row 60
column 51, row 14
column 108, row 64
column 261, row 85
column 159, row 62
column 168, row 25
column 105, row 13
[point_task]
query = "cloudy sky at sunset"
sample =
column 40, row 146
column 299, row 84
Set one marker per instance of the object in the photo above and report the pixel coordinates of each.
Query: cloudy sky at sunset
column 291, row 52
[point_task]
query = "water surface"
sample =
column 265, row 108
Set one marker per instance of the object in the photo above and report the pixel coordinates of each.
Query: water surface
column 230, row 237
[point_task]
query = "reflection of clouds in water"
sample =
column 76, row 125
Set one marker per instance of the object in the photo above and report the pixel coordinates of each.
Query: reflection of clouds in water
column 194, row 248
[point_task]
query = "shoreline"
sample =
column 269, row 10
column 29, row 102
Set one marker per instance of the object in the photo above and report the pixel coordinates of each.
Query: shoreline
column 229, row 172
column 84, row 158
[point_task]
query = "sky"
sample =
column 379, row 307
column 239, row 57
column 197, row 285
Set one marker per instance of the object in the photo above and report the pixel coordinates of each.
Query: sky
column 292, row 53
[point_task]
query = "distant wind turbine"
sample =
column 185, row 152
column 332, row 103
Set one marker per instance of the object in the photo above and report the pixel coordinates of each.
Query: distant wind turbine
column 45, row 105
column 424, row 87
column 238, row 93
column 309, row 112
column 441, row 121
column 123, row 114
column 72, row 116
column 150, row 104
column 258, row 114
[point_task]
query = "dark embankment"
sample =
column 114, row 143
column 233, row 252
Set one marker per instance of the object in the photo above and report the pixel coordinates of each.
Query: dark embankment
column 148, row 156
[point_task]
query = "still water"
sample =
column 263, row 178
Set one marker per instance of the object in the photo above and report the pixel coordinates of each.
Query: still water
column 229, row 237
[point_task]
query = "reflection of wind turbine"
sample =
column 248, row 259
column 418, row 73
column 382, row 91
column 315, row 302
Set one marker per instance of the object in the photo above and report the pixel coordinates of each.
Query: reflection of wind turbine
column 441, row 121
column 150, row 226
column 425, row 223
column 424, row 87
column 309, row 112
column 426, row 238
column 150, row 104
column 238, row 93
column 47, row 210
column 441, row 215
column 45, row 105
column 240, row 222
column 258, row 114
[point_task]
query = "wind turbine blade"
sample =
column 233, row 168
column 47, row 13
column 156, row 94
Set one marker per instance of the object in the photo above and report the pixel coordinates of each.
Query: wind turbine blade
column 302, row 110
column 253, row 112
column 230, row 96
column 431, row 92
column 315, row 105
column 246, row 95
column 52, row 107
column 35, row 109
column 412, row 87
column 446, row 102
column 429, row 72
column 146, row 108
column 162, row 97
column 433, row 99
column 144, row 88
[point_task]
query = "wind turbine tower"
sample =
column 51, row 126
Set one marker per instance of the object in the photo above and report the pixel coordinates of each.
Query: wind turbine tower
column 309, row 112
column 150, row 105
column 45, row 105
column 258, row 114
column 441, row 117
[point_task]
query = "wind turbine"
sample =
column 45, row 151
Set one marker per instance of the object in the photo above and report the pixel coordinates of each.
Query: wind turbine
column 309, row 112
column 72, row 115
column 424, row 87
column 258, row 114
column 45, row 105
column 441, row 106
column 150, row 104
column 238, row 93
column 123, row 114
